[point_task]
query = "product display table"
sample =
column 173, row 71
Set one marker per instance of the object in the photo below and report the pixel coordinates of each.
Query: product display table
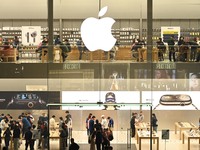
column 145, row 135
column 183, row 126
column 141, row 126
column 54, row 134
column 190, row 135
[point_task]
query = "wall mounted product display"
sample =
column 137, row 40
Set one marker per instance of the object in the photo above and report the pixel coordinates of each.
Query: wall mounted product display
column 103, row 97
column 173, row 100
column 27, row 99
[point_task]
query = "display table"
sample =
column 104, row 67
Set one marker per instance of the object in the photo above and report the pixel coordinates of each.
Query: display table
column 141, row 126
column 183, row 126
column 54, row 134
column 190, row 135
column 145, row 135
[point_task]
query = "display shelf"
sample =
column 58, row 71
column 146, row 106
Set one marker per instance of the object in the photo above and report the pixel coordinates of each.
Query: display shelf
column 28, row 52
column 10, row 32
column 126, row 35
column 72, row 34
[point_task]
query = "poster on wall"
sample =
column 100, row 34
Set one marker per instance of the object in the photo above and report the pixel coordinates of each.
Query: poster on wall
column 34, row 100
column 115, row 76
column 31, row 35
column 172, row 100
column 167, row 32
column 194, row 81
column 105, row 97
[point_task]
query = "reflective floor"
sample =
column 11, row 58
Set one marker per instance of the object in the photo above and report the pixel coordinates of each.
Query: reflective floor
column 120, row 142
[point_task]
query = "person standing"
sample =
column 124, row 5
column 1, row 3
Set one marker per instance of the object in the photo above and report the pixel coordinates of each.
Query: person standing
column 68, row 122
column 154, row 122
column 63, row 137
column 110, row 123
column 16, row 136
column 28, row 138
column 161, row 49
column 171, row 43
column 99, row 139
column 104, row 122
column 7, row 134
column 87, row 123
column 132, row 124
column 91, row 125
column 194, row 47
column 52, row 123
column 79, row 45
column 140, row 117
column 73, row 145
column 92, row 141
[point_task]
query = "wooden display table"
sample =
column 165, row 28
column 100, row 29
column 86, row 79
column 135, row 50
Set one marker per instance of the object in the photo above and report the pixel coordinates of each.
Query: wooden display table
column 183, row 126
column 9, row 55
column 145, row 135
column 141, row 126
column 190, row 136
column 142, row 53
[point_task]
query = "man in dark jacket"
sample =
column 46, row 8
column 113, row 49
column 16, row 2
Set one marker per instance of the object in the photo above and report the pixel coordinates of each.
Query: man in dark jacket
column 28, row 138
column 73, row 145
column 132, row 123
column 171, row 44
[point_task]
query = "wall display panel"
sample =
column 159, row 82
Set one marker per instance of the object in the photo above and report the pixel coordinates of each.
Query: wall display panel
column 105, row 97
column 172, row 100
column 29, row 100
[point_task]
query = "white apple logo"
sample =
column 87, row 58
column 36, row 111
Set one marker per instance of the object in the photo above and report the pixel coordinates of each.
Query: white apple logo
column 96, row 33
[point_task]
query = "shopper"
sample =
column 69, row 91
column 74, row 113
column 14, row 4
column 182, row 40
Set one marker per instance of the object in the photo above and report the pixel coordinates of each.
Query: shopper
column 154, row 122
column 91, row 124
column 63, row 137
column 161, row 49
column 45, row 136
column 92, row 140
column 140, row 117
column 80, row 47
column 97, row 125
column 99, row 139
column 68, row 122
column 193, row 51
column 28, row 138
column 110, row 123
column 87, row 123
column 25, row 125
column 16, row 136
column 171, row 43
column 52, row 123
column 104, row 122
column 73, row 145
column 132, row 124
column 7, row 137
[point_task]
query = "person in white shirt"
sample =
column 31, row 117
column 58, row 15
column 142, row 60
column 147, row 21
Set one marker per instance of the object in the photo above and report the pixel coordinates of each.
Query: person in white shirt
column 52, row 123
column 140, row 117
column 104, row 122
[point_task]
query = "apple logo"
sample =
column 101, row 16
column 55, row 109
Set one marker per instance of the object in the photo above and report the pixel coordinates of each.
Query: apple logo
column 96, row 33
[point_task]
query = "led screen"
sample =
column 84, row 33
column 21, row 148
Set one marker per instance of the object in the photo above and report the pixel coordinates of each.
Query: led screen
column 28, row 99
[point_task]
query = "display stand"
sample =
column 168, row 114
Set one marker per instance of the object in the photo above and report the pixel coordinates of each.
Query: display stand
column 128, row 138
column 165, row 135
